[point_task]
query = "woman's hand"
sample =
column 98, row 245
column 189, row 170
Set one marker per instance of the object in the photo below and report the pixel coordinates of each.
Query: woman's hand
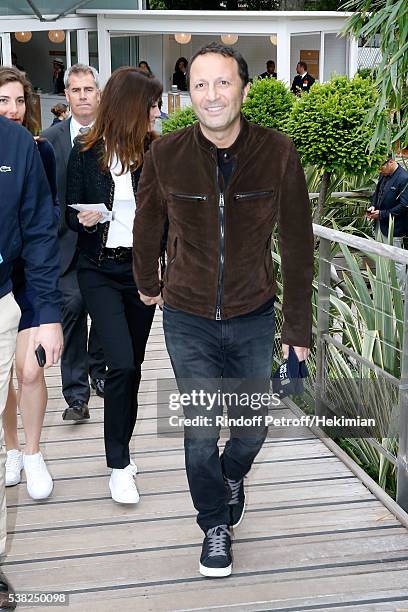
column 89, row 218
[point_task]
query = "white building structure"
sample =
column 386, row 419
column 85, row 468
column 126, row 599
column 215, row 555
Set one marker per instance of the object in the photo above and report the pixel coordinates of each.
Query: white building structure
column 108, row 38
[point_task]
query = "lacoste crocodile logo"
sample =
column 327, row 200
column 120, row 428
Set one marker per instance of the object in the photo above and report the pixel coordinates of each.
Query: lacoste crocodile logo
column 5, row 168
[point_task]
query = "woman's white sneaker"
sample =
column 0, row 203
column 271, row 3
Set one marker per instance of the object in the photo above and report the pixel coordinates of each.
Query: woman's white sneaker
column 39, row 481
column 14, row 466
column 122, row 485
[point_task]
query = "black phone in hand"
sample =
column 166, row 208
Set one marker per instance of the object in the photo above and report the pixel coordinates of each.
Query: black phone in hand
column 40, row 355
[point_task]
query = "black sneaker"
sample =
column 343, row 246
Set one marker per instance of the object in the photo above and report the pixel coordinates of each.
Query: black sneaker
column 216, row 559
column 99, row 385
column 76, row 411
column 237, row 502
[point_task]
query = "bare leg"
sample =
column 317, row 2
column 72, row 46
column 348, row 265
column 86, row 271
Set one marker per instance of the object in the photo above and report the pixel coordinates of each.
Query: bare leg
column 10, row 418
column 32, row 391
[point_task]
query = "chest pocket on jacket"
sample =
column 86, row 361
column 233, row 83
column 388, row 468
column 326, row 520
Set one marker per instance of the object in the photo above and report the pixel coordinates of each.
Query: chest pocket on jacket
column 189, row 197
column 253, row 195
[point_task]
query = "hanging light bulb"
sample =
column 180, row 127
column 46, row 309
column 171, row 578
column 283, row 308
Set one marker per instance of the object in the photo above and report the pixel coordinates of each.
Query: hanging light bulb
column 182, row 38
column 229, row 39
column 274, row 39
column 56, row 36
column 23, row 37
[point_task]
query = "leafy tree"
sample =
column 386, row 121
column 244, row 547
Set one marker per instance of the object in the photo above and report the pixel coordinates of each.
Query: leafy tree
column 246, row 5
column 216, row 5
column 323, row 5
column 329, row 130
column 269, row 103
column 389, row 18
column 292, row 5
column 180, row 119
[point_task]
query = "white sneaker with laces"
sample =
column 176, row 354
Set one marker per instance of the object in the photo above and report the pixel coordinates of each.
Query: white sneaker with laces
column 39, row 481
column 14, row 465
column 122, row 485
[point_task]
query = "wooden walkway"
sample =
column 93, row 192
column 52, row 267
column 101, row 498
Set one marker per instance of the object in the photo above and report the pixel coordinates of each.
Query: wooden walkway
column 313, row 537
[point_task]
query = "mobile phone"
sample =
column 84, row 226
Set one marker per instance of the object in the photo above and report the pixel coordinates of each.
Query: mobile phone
column 40, row 355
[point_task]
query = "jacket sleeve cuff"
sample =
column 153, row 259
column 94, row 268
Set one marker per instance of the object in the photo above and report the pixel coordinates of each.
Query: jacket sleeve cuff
column 288, row 337
column 50, row 314
column 383, row 215
column 90, row 230
column 150, row 291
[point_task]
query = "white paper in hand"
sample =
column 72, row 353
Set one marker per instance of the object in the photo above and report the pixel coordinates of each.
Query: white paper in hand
column 107, row 215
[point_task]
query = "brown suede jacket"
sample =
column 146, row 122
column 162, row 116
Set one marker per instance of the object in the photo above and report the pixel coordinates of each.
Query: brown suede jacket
column 219, row 242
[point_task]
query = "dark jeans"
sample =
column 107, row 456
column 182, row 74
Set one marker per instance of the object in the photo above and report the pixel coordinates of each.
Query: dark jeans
column 236, row 349
column 123, row 325
column 80, row 355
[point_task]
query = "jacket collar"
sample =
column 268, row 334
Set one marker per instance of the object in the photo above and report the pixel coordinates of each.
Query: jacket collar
column 235, row 148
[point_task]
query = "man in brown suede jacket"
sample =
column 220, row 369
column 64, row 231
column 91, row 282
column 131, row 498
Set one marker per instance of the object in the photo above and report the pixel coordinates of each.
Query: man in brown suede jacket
column 224, row 184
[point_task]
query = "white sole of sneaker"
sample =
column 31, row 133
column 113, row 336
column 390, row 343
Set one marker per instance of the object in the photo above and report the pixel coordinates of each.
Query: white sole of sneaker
column 122, row 500
column 215, row 572
column 240, row 518
column 40, row 497
column 12, row 483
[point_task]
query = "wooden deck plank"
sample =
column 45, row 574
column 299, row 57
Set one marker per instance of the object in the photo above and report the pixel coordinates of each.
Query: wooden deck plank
column 136, row 564
column 313, row 538
column 275, row 525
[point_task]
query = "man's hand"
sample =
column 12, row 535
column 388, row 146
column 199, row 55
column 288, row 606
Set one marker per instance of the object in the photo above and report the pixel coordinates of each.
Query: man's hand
column 301, row 352
column 372, row 214
column 89, row 218
column 49, row 335
column 150, row 301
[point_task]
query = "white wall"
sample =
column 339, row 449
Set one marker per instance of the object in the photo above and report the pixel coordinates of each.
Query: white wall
column 34, row 57
column 151, row 50
column 302, row 42
column 335, row 55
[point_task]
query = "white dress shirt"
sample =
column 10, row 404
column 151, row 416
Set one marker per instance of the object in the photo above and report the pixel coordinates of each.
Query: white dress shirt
column 120, row 231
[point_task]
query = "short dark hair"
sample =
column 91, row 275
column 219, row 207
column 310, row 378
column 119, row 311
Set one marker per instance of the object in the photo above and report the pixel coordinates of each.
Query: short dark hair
column 303, row 64
column 225, row 51
column 270, row 63
column 59, row 109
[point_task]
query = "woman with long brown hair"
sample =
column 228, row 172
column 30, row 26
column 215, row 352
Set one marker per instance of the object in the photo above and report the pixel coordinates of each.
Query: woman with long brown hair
column 17, row 104
column 104, row 168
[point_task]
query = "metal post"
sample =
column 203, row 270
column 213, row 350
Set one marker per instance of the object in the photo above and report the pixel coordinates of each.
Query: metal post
column 321, row 57
column 68, row 48
column 104, row 50
column 352, row 56
column 323, row 304
column 283, row 50
column 5, row 49
column 402, row 465
column 82, row 47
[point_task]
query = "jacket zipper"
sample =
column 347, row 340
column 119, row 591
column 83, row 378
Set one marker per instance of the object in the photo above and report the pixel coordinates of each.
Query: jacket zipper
column 221, row 217
column 252, row 194
column 186, row 196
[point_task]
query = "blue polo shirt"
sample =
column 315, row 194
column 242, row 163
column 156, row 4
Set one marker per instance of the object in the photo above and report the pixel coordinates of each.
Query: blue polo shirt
column 28, row 227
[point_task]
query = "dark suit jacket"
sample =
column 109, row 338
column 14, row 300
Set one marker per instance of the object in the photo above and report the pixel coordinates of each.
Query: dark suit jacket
column 391, row 199
column 266, row 75
column 59, row 136
column 302, row 83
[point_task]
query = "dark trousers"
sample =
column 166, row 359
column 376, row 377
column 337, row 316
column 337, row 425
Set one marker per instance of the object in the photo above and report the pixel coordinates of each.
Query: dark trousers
column 238, row 349
column 123, row 325
column 81, row 356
